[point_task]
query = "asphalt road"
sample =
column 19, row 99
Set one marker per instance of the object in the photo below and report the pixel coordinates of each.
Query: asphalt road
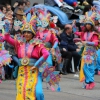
column 71, row 89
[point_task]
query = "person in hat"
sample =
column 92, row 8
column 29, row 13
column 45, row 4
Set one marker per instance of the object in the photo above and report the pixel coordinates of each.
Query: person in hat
column 90, row 42
column 19, row 14
column 31, row 53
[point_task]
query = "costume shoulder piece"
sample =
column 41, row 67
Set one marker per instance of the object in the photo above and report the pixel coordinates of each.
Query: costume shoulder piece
column 94, row 33
column 36, row 41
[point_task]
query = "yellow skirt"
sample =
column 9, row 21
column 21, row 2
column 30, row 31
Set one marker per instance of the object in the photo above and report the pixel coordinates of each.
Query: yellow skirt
column 26, row 83
column 82, row 78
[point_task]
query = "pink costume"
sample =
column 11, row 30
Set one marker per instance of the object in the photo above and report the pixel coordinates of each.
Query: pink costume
column 28, row 80
column 89, row 55
column 98, row 31
column 47, row 37
column 92, row 38
column 39, row 50
column 88, row 62
column 50, row 41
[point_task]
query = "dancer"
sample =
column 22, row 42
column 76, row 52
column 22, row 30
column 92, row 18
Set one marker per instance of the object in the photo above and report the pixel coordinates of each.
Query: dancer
column 31, row 53
column 90, row 42
column 47, row 36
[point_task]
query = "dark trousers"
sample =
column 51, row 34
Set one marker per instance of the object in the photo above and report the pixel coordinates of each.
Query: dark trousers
column 77, row 58
column 8, row 70
column 68, row 55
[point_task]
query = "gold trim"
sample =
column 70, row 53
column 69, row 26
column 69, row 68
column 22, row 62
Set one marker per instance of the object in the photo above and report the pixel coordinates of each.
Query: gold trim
column 25, row 61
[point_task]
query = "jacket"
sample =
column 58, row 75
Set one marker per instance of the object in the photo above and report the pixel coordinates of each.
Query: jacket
column 67, row 42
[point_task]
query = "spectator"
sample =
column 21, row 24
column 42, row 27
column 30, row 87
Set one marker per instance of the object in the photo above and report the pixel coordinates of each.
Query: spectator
column 9, row 9
column 8, row 6
column 9, row 16
column 61, row 4
column 19, row 14
column 19, row 5
column 53, row 3
column 27, row 5
column 69, row 46
column 3, row 9
column 15, row 5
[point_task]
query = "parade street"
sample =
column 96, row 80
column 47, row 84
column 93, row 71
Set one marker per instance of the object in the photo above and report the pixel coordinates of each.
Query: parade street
column 71, row 89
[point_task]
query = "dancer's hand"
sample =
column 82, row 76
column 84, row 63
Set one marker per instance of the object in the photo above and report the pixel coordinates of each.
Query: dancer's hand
column 33, row 68
column 84, row 43
column 53, row 51
column 64, row 49
column 77, row 50
column 74, row 22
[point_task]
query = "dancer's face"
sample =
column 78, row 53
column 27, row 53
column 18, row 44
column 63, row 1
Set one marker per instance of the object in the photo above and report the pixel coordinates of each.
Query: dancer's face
column 28, row 35
column 96, row 22
column 88, row 27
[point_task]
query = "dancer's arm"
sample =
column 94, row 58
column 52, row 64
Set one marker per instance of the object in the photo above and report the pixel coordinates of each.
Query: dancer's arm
column 54, row 40
column 94, row 40
column 43, row 56
column 10, row 40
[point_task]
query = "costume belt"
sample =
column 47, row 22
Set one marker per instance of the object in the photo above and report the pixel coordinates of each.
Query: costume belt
column 91, row 47
column 27, row 61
